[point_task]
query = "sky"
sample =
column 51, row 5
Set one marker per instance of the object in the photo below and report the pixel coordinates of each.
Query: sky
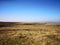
column 30, row 10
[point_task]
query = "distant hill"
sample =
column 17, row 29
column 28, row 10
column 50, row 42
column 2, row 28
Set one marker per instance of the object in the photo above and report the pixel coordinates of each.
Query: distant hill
column 11, row 24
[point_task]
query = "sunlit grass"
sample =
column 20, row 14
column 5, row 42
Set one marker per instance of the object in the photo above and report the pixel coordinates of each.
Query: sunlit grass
column 31, row 34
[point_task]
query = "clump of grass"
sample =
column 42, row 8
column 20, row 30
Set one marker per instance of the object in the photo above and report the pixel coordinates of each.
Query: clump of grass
column 54, row 37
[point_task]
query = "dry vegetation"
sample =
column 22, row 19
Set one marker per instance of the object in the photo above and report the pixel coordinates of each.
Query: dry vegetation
column 18, row 33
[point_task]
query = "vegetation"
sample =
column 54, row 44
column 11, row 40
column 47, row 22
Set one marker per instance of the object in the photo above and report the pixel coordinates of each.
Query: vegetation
column 29, row 33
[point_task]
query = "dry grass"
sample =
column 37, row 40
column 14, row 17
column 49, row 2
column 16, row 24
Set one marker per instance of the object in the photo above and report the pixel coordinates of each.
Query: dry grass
column 29, row 34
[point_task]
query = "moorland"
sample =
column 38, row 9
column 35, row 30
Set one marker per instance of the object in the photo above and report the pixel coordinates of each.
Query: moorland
column 23, row 33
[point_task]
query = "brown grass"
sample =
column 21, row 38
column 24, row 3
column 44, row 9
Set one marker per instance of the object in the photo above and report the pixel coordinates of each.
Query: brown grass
column 15, row 33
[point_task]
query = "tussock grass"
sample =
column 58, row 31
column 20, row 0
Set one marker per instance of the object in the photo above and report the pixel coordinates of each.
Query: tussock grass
column 29, row 34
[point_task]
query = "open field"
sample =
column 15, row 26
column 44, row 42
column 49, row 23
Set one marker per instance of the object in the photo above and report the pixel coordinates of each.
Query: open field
column 19, row 33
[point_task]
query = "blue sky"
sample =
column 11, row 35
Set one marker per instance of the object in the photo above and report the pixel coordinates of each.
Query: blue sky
column 30, row 10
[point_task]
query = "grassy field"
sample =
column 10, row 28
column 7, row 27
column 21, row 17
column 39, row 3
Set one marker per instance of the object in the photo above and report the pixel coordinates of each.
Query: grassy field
column 19, row 33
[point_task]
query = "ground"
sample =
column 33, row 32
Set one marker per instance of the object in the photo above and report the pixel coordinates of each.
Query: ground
column 19, row 33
